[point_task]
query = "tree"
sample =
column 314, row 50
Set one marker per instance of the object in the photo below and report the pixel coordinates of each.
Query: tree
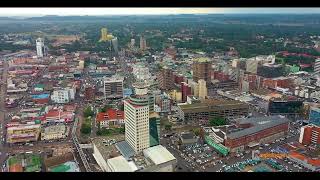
column 88, row 112
column 196, row 131
column 168, row 127
column 85, row 128
column 217, row 121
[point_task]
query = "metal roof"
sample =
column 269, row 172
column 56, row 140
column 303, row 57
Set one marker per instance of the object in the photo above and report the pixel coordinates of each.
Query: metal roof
column 259, row 124
column 125, row 149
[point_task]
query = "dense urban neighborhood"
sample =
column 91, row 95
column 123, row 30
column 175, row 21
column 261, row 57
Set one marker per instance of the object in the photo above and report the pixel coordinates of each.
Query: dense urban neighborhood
column 162, row 93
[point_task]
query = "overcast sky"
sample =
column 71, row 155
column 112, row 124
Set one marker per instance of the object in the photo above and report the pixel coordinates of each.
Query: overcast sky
column 137, row 11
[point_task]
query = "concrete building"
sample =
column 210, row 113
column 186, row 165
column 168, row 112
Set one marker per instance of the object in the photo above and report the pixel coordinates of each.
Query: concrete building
column 310, row 134
column 143, row 43
column 113, row 87
column 201, row 68
column 166, row 79
column 81, row 64
column 203, row 91
column 110, row 118
column 54, row 132
column 115, row 45
column 314, row 116
column 207, row 109
column 23, row 133
column 317, row 66
column 40, row 47
column 185, row 91
column 136, row 110
column 252, row 65
column 63, row 95
column 257, row 130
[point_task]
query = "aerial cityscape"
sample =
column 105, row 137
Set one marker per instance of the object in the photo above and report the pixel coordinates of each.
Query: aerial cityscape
column 160, row 90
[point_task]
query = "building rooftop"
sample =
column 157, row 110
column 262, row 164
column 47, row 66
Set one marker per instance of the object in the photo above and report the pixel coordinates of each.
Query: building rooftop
column 158, row 154
column 201, row 59
column 125, row 149
column 107, row 150
column 120, row 164
column 258, row 124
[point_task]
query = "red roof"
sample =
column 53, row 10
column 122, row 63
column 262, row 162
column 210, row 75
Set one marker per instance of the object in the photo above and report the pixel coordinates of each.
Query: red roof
column 110, row 114
column 52, row 113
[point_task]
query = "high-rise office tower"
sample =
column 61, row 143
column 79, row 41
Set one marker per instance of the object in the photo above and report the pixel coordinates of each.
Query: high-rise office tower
column 166, row 79
column 136, row 110
column 132, row 43
column 40, row 47
column 115, row 45
column 143, row 43
column 185, row 90
column 201, row 68
column 105, row 36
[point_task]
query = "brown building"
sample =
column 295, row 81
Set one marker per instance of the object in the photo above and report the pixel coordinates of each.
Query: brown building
column 201, row 68
column 166, row 79
column 256, row 130
column 201, row 113
column 310, row 134
column 89, row 93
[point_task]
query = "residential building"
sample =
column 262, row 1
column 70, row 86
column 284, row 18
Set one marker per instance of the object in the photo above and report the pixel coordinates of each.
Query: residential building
column 143, row 43
column 61, row 96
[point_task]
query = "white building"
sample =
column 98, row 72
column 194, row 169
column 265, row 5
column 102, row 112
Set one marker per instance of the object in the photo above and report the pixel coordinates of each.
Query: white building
column 317, row 66
column 40, row 47
column 63, row 95
column 137, row 124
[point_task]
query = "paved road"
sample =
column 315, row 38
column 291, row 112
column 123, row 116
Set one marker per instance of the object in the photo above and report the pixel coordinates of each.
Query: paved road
column 3, row 155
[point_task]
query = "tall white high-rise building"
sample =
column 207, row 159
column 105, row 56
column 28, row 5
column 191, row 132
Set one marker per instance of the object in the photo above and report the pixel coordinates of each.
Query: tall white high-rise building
column 132, row 43
column 317, row 66
column 40, row 47
column 115, row 44
column 136, row 113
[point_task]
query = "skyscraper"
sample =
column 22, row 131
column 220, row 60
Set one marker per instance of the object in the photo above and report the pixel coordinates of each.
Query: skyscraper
column 40, row 47
column 132, row 43
column 105, row 36
column 115, row 45
column 185, row 90
column 143, row 43
column 166, row 79
column 317, row 66
column 201, row 68
column 136, row 110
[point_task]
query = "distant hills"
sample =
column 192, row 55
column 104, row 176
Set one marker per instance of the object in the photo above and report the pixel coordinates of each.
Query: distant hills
column 217, row 18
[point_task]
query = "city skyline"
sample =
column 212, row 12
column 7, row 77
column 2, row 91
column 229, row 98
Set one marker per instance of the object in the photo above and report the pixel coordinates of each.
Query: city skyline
column 31, row 12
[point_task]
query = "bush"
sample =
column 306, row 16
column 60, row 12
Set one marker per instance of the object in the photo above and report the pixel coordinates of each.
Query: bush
column 217, row 121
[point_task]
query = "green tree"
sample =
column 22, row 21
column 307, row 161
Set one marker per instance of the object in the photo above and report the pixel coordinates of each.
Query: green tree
column 85, row 128
column 88, row 112
column 217, row 121
column 168, row 127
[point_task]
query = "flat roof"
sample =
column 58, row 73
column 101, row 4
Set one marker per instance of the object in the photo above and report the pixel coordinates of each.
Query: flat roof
column 120, row 164
column 125, row 149
column 259, row 124
column 158, row 154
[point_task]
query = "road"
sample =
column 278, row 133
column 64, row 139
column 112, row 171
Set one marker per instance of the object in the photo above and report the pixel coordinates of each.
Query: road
column 3, row 93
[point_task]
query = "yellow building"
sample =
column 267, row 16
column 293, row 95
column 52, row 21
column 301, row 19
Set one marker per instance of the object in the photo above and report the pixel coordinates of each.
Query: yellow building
column 105, row 36
column 23, row 133
column 81, row 64
column 176, row 95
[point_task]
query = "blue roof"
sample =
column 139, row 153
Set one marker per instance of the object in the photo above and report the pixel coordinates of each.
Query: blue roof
column 125, row 149
column 40, row 96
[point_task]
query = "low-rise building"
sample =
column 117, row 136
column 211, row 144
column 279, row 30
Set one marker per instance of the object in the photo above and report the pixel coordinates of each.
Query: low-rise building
column 23, row 133
column 110, row 118
column 54, row 132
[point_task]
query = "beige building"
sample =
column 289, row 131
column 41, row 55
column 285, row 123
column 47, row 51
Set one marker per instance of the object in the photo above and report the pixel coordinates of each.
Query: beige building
column 23, row 133
column 54, row 132
column 203, row 91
